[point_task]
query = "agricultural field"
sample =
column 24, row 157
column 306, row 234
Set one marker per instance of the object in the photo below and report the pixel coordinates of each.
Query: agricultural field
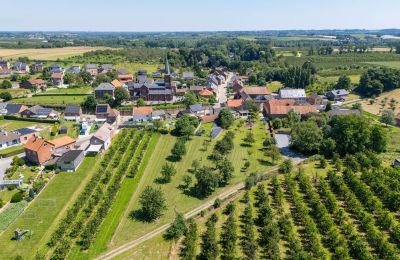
column 390, row 64
column 11, row 125
column 51, row 100
column 45, row 211
column 355, row 79
column 384, row 101
column 48, row 53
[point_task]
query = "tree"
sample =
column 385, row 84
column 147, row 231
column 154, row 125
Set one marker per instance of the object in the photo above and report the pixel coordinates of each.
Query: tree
column 6, row 96
column 254, row 110
column 225, row 145
column 293, row 117
column 306, row 137
column 153, row 203
column 209, row 244
column 17, row 197
column 388, row 117
column 277, row 123
column 286, row 166
column 274, row 153
column 86, row 76
column 229, row 238
column 140, row 102
column 190, row 99
column 177, row 228
column 344, row 82
column 248, row 240
column 90, row 103
column 225, row 118
column 157, row 124
column 249, row 139
column 6, row 84
column 226, row 170
column 207, row 181
column 179, row 149
column 328, row 147
column 378, row 139
column 120, row 95
column 168, row 170
column 328, row 106
column 185, row 126
column 188, row 251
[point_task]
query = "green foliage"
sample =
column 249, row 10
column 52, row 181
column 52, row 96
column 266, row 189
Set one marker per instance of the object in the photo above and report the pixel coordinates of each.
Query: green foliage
column 225, row 118
column 6, row 84
column 297, row 77
column 388, row 117
column 179, row 149
column 376, row 80
column 286, row 166
column 120, row 95
column 344, row 82
column 207, row 181
column 188, row 250
column 152, row 202
column 177, row 228
column 185, row 126
column 277, row 123
column 229, row 237
column 140, row 102
column 89, row 104
column 17, row 197
column 6, row 96
column 167, row 172
column 306, row 137
column 209, row 245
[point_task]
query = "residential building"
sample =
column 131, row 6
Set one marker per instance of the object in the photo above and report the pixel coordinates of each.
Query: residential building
column 21, row 67
column 71, row 160
column 124, row 76
column 74, row 70
column 235, row 103
column 56, row 68
column 158, row 115
column 298, row 95
column 73, row 113
column 57, row 79
column 104, row 113
column 315, row 99
column 196, row 89
column 102, row 137
column 9, row 139
column 103, row 89
column 40, row 112
column 205, row 93
column 337, row 94
column 279, row 108
column 253, row 92
column 92, row 69
column 37, row 150
column 4, row 65
column 197, row 110
column 62, row 145
column 37, row 67
column 116, row 83
column 105, row 68
column 15, row 109
column 25, row 134
column 34, row 84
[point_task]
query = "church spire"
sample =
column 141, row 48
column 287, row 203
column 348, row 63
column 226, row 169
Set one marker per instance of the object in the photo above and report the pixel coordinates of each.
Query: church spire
column 167, row 70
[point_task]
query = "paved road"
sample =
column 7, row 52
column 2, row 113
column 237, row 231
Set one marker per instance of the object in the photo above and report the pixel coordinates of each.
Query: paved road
column 4, row 164
column 283, row 143
column 227, row 193
column 222, row 90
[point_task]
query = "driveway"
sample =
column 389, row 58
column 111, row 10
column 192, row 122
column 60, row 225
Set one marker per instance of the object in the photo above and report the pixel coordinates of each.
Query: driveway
column 4, row 164
column 222, row 90
column 283, row 143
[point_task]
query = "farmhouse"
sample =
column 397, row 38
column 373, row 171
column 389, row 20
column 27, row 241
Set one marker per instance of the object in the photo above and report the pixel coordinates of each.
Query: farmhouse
column 9, row 139
column 104, row 113
column 103, row 89
column 279, row 108
column 37, row 150
column 73, row 113
column 34, row 84
column 298, row 95
column 337, row 95
column 71, row 160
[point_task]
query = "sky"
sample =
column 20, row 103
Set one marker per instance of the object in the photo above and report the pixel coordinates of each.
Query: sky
column 196, row 15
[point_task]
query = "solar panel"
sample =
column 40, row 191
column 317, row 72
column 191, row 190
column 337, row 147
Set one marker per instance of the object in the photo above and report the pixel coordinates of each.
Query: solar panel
column 102, row 109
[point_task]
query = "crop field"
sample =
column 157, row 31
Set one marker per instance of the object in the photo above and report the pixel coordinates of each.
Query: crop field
column 50, row 100
column 45, row 211
column 384, row 101
column 390, row 64
column 355, row 79
column 48, row 53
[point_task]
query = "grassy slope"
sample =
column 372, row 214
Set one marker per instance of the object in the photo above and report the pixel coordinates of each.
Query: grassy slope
column 42, row 214
column 10, row 125
column 50, row 100
column 176, row 200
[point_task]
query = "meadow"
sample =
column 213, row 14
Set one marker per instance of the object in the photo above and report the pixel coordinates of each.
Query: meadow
column 382, row 102
column 11, row 125
column 47, row 54
column 390, row 64
column 51, row 100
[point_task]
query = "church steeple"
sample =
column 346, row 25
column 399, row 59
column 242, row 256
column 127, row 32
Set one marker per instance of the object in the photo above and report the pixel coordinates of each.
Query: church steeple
column 167, row 70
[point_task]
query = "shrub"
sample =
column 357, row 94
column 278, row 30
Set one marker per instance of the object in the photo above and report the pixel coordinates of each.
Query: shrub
column 17, row 197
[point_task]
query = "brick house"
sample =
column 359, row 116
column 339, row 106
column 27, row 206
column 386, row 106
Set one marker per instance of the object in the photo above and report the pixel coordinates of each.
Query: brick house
column 62, row 145
column 92, row 69
column 57, row 79
column 103, row 89
column 37, row 150
column 37, row 84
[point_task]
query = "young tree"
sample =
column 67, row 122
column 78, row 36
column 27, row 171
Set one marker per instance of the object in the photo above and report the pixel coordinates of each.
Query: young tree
column 277, row 123
column 274, row 153
column 188, row 251
column 177, row 228
column 293, row 117
column 120, row 95
column 168, row 171
column 388, row 117
column 140, row 102
column 226, row 170
column 229, row 238
column 344, row 82
column 225, row 118
column 286, row 166
column 6, row 96
column 209, row 244
column 179, row 149
column 248, row 240
column 249, row 139
column 153, row 203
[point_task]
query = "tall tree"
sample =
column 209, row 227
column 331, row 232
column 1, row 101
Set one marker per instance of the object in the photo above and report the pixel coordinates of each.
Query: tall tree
column 153, row 203
column 209, row 244
column 188, row 251
column 248, row 240
column 229, row 238
column 344, row 82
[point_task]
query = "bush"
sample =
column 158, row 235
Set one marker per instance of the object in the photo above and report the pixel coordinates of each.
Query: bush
column 286, row 166
column 217, row 203
column 17, row 197
column 17, row 161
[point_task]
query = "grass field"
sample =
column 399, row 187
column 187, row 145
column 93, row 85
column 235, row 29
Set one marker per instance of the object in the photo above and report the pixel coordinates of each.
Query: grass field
column 355, row 79
column 86, row 90
column 377, row 106
column 16, row 92
column 176, row 199
column 52, row 100
column 47, row 54
column 42, row 214
column 11, row 125
column 390, row 64
column 274, row 86
column 134, row 67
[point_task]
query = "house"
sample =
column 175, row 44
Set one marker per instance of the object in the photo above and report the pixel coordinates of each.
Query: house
column 21, row 67
column 279, row 108
column 196, row 89
column 74, row 70
column 56, row 68
column 104, row 113
column 73, row 113
column 37, row 150
column 102, row 137
column 124, row 76
column 205, row 93
column 71, row 160
column 103, row 89
column 315, row 99
column 9, row 139
column 235, row 103
column 237, row 86
column 188, row 75
column 158, row 115
column 141, row 114
column 105, row 68
column 62, row 145
column 40, row 112
column 4, row 65
column 25, row 134
column 116, row 83
column 337, row 94
column 15, row 109
column 209, row 118
column 57, row 79
column 37, row 67
column 34, row 84
column 254, row 92
column 92, row 69
column 298, row 95
column 197, row 110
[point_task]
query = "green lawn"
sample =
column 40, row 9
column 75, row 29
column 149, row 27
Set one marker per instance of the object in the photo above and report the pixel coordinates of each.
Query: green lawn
column 355, row 79
column 44, row 212
column 134, row 67
column 11, row 151
column 16, row 92
column 390, row 64
column 11, row 125
column 86, row 90
column 130, row 229
column 52, row 100
column 274, row 86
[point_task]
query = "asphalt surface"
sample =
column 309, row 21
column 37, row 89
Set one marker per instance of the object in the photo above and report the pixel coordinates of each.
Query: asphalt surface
column 283, row 143
column 4, row 164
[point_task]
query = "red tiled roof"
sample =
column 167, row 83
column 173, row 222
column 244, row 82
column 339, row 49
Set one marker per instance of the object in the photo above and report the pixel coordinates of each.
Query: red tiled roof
column 34, row 144
column 209, row 119
column 235, row 103
column 62, row 141
column 36, row 81
column 256, row 90
column 143, row 111
column 116, row 83
column 56, row 75
column 206, row 93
